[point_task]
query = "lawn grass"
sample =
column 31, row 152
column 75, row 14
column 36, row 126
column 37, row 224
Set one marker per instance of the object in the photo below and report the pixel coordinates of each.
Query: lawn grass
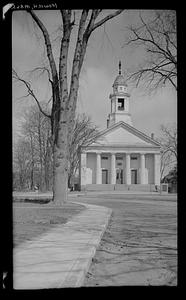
column 32, row 219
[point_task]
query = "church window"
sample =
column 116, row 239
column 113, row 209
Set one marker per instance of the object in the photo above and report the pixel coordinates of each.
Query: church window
column 120, row 103
column 104, row 157
column 134, row 158
column 119, row 158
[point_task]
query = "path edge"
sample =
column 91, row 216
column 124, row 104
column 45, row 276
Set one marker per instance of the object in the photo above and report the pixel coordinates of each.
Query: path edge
column 81, row 278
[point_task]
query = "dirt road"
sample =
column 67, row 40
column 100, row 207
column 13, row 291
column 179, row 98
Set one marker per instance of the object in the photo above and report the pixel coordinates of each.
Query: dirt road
column 139, row 246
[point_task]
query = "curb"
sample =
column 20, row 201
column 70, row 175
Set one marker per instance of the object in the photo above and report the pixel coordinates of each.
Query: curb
column 80, row 281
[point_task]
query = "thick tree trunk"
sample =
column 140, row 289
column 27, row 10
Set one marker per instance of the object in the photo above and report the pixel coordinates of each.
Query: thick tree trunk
column 61, row 129
column 60, row 179
column 60, row 182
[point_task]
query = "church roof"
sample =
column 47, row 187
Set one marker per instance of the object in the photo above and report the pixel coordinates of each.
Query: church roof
column 123, row 134
column 120, row 80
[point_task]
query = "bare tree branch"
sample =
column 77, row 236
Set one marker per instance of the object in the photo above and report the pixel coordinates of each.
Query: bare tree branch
column 47, row 43
column 76, row 68
column 42, row 70
column 55, row 114
column 30, row 91
column 66, row 17
column 161, row 47
column 110, row 16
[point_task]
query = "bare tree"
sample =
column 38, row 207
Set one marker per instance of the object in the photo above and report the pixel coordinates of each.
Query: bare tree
column 36, row 131
column 171, row 177
column 158, row 38
column 23, row 165
column 64, row 101
column 84, row 134
column 168, row 143
column 36, row 128
column 169, row 139
column 165, row 163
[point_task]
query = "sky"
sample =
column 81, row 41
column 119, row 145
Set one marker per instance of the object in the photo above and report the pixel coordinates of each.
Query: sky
column 99, row 71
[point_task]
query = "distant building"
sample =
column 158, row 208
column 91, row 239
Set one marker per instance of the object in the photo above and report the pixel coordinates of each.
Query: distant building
column 171, row 179
column 122, row 157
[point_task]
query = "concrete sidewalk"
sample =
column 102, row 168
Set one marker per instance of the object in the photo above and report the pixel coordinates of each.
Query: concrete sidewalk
column 61, row 257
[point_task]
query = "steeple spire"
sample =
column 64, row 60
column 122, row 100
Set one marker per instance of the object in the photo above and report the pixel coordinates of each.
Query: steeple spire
column 120, row 67
column 120, row 100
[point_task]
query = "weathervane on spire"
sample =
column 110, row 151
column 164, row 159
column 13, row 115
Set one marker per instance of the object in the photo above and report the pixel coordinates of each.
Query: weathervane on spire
column 120, row 67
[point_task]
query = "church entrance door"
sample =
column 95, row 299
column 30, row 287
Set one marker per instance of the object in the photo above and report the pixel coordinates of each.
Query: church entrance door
column 119, row 176
column 105, row 176
column 134, row 176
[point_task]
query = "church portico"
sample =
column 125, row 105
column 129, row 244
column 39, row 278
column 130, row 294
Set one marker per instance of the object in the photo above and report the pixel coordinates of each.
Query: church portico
column 121, row 157
column 119, row 168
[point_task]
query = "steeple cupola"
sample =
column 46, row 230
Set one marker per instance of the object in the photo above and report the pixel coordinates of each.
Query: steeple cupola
column 119, row 101
column 119, row 83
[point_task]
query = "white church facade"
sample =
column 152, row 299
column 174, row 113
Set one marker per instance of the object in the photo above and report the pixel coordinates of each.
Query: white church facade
column 121, row 157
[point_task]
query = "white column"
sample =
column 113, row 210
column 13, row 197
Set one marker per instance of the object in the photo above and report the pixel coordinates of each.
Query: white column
column 156, row 168
column 113, row 168
column 98, row 169
column 128, row 173
column 83, row 168
column 142, row 168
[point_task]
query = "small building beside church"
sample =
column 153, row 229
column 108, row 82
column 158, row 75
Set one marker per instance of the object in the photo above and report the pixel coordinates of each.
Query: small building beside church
column 121, row 157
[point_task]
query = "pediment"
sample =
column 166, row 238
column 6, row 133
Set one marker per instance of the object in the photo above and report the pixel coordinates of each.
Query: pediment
column 123, row 134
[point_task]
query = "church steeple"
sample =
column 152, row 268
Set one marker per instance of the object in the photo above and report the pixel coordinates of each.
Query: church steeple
column 120, row 67
column 119, row 101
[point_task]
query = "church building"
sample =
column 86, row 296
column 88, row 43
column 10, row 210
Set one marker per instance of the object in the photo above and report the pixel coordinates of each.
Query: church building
column 121, row 157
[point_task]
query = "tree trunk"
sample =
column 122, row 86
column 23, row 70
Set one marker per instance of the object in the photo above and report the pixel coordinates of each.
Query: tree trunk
column 21, row 181
column 60, row 182
column 32, row 164
column 32, row 177
column 60, row 178
column 47, row 171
